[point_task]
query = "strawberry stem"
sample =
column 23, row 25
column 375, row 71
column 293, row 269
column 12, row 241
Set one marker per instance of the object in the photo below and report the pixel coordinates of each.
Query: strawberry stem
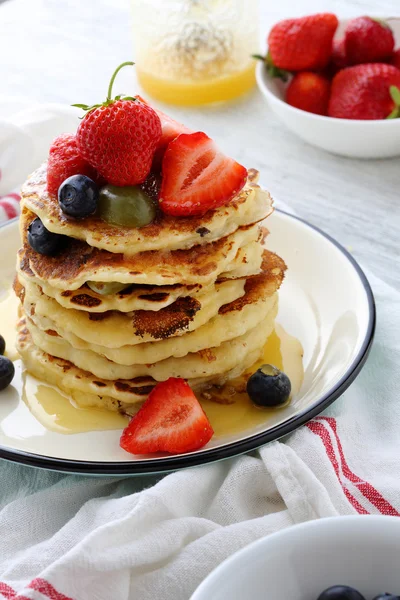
column 117, row 70
column 109, row 100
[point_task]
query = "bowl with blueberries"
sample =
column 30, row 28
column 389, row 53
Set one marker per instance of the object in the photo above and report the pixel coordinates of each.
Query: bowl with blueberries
column 336, row 558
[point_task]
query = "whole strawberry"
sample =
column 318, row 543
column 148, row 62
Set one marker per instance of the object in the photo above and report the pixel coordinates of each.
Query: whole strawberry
column 369, row 91
column 302, row 44
column 310, row 92
column 64, row 160
column 119, row 137
column 367, row 40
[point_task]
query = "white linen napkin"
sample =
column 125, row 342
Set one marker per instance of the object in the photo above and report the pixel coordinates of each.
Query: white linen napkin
column 25, row 138
column 65, row 537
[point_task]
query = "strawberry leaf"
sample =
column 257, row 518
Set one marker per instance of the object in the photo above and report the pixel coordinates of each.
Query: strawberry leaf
column 258, row 57
column 395, row 114
column 273, row 70
column 395, row 94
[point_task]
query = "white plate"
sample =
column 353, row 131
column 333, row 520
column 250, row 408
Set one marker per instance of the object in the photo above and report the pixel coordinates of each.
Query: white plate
column 300, row 562
column 325, row 302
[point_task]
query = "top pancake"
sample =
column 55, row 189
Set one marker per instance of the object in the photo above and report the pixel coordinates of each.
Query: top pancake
column 250, row 206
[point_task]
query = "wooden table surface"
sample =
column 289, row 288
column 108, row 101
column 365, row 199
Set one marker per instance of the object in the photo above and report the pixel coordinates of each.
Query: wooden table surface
column 65, row 50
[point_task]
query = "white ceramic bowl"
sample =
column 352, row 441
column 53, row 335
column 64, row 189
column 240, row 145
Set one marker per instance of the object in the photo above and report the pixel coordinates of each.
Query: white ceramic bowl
column 300, row 562
column 355, row 138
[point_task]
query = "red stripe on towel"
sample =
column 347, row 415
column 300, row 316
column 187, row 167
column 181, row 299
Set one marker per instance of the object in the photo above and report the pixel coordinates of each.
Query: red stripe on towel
column 47, row 589
column 320, row 430
column 9, row 207
column 9, row 593
column 366, row 488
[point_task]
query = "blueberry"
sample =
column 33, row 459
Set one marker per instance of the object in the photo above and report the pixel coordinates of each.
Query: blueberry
column 42, row 240
column 2, row 344
column 6, row 372
column 341, row 592
column 268, row 386
column 78, row 196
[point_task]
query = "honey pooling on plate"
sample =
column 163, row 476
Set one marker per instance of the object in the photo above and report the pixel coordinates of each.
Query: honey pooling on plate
column 229, row 407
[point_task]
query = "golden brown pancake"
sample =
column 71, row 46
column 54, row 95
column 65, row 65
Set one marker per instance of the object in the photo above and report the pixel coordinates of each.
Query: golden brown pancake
column 209, row 362
column 250, row 206
column 114, row 329
column 78, row 263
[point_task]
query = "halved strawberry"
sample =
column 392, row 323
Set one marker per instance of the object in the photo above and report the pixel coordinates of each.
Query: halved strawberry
column 171, row 420
column 197, row 177
column 170, row 129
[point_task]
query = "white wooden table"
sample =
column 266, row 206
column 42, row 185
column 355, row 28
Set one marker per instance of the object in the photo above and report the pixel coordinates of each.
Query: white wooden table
column 65, row 51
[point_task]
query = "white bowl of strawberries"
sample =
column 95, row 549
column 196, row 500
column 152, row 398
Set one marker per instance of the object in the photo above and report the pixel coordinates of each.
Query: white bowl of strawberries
column 336, row 84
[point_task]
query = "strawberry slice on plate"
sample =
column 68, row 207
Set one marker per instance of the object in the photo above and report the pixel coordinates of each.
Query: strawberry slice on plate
column 197, row 176
column 170, row 129
column 171, row 420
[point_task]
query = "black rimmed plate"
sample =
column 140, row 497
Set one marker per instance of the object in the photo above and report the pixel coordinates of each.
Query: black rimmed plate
column 325, row 302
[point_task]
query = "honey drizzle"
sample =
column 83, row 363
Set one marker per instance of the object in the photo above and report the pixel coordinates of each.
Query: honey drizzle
column 230, row 409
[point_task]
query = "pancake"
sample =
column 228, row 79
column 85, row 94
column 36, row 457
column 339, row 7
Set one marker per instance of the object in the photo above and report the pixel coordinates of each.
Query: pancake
column 221, row 328
column 82, row 387
column 134, row 297
column 87, row 390
column 251, row 206
column 141, row 297
column 114, row 329
column 78, row 263
column 232, row 320
column 206, row 363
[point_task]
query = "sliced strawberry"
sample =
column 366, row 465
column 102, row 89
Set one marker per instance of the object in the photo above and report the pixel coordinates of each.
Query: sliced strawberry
column 197, row 177
column 171, row 420
column 170, row 129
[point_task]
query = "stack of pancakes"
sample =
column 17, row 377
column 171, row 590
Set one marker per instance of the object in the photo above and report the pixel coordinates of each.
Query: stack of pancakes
column 200, row 301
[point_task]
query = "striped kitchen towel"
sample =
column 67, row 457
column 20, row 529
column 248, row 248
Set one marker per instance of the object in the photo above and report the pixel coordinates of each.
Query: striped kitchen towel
column 65, row 537
column 9, row 206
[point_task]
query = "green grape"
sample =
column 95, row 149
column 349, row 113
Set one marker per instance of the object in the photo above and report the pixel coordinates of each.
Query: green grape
column 125, row 206
column 105, row 288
